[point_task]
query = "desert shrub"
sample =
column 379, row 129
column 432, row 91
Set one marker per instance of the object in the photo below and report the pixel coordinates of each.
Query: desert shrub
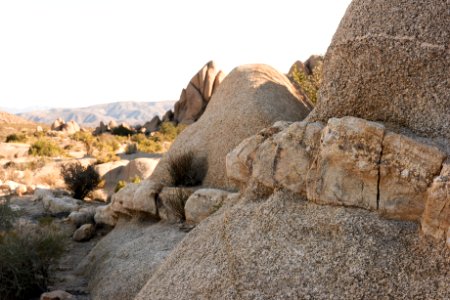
column 79, row 179
column 121, row 131
column 149, row 146
column 86, row 138
column 45, row 147
column 182, row 170
column 120, row 185
column 309, row 84
column 7, row 216
column 26, row 256
column 131, row 148
column 176, row 202
column 168, row 131
column 16, row 138
column 105, row 147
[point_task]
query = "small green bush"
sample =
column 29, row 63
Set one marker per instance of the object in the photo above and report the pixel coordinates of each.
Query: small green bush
column 182, row 170
column 120, row 185
column 176, row 203
column 149, row 146
column 136, row 179
column 45, row 147
column 79, row 179
column 16, row 138
column 309, row 84
column 26, row 256
column 169, row 131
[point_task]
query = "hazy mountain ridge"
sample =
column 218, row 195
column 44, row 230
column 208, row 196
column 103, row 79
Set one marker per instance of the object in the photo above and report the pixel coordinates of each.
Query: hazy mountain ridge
column 129, row 111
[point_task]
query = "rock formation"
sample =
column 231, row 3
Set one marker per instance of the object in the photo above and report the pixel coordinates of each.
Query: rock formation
column 70, row 127
column 152, row 125
column 129, row 254
column 349, row 162
column 196, row 95
column 286, row 248
column 250, row 98
column 308, row 66
column 389, row 61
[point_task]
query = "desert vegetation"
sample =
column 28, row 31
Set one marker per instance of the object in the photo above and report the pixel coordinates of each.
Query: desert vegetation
column 80, row 180
column 182, row 170
column 309, row 83
column 27, row 252
column 45, row 147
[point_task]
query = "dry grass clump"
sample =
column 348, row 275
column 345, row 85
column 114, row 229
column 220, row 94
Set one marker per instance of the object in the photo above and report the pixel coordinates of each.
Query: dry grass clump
column 79, row 179
column 176, row 203
column 26, row 255
column 182, row 170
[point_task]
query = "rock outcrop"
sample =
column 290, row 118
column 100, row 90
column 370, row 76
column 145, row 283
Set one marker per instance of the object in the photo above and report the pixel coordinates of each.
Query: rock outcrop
column 348, row 162
column 250, row 98
column 286, row 248
column 195, row 97
column 129, row 254
column 70, row 127
column 389, row 61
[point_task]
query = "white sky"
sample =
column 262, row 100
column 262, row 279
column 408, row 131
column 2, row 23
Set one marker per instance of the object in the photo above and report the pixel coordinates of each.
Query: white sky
column 77, row 53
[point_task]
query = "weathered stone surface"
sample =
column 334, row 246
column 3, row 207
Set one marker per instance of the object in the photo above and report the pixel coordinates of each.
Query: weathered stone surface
column 389, row 61
column 436, row 217
column 347, row 169
column 112, row 172
column 105, row 215
column 145, row 197
column 152, row 125
column 263, row 249
column 196, row 95
column 130, row 254
column 203, row 203
column 313, row 62
column 350, row 162
column 407, row 169
column 239, row 161
column 83, row 216
column 168, row 116
column 84, row 233
column 257, row 96
column 56, row 205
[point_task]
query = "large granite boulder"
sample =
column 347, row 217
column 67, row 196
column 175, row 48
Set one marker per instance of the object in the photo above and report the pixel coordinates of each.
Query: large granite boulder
column 286, row 248
column 250, row 98
column 389, row 60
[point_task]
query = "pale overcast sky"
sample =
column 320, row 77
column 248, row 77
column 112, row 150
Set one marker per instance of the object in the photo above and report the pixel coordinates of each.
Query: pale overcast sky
column 77, row 53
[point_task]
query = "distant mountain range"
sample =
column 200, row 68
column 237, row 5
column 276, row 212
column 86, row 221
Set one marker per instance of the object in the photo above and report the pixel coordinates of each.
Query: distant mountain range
column 130, row 112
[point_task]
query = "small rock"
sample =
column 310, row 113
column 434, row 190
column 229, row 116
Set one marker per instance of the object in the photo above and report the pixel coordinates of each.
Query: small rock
column 84, row 233
column 60, row 205
column 57, row 295
column 203, row 203
column 105, row 215
column 83, row 216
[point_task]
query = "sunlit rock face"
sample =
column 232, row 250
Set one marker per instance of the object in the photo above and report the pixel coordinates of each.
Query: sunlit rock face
column 389, row 61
